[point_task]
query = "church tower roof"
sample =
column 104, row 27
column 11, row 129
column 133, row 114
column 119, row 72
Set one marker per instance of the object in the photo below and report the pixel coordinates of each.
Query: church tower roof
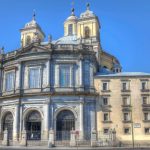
column 88, row 13
column 33, row 23
column 31, row 32
column 72, row 17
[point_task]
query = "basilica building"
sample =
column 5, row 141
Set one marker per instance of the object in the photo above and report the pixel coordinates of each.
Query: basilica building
column 70, row 89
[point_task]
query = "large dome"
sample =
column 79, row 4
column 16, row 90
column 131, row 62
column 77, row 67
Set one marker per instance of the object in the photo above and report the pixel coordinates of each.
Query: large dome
column 67, row 40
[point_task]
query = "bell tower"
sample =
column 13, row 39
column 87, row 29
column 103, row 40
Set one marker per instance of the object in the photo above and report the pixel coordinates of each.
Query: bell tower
column 70, row 25
column 32, row 32
column 89, row 30
column 88, row 25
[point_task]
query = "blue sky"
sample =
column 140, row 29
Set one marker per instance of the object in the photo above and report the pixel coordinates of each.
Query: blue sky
column 125, row 25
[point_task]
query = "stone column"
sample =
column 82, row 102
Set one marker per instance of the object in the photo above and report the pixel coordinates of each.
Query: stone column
column 81, row 73
column 16, row 123
column 24, row 138
column 93, row 138
column 0, row 124
column 71, row 77
column 57, row 75
column 1, row 79
column 81, row 136
column 5, row 141
column 49, row 74
column 52, row 116
column 21, row 120
column 51, row 141
column 18, row 79
column 4, row 82
column 93, row 117
column 46, row 120
column 72, row 138
column 91, row 75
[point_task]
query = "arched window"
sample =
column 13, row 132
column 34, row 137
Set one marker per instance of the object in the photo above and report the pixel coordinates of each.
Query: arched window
column 28, row 40
column 34, row 116
column 70, row 29
column 87, row 32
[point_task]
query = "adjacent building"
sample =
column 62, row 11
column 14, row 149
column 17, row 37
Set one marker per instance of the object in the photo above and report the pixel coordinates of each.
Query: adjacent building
column 123, row 105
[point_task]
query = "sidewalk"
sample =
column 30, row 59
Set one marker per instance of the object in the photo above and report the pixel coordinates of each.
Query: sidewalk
column 70, row 148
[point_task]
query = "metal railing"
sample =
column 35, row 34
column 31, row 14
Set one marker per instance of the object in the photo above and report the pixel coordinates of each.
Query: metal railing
column 33, row 135
column 65, row 138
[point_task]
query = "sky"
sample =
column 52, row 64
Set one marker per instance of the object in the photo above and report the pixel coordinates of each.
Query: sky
column 125, row 25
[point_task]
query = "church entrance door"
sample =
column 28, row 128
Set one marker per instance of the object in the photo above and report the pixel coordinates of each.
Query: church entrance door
column 65, row 123
column 34, row 126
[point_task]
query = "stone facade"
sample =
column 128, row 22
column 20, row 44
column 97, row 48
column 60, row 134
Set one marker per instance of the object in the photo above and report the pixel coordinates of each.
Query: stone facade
column 121, row 101
column 55, row 87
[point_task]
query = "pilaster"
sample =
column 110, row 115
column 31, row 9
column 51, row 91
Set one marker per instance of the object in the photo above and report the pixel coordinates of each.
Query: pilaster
column 57, row 75
column 46, row 119
column 51, row 141
column 5, row 141
column 24, row 138
column 71, row 76
column 18, row 78
column 93, row 138
column 93, row 117
column 48, row 75
column 51, row 115
column 81, row 119
column 81, row 86
column 16, row 123
column 73, row 138
column 0, row 78
column 0, row 124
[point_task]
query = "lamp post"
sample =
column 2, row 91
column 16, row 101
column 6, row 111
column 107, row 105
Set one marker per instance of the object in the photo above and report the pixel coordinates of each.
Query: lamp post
column 132, row 127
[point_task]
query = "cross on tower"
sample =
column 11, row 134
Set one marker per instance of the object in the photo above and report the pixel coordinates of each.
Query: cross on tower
column 72, row 3
column 72, row 10
column 34, row 14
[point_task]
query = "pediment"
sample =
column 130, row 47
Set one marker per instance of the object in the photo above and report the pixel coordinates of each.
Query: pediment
column 33, row 49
